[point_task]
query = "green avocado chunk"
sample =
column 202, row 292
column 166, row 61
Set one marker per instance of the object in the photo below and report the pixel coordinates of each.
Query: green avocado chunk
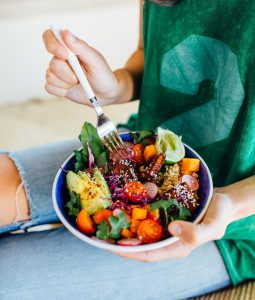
column 75, row 183
column 102, row 184
column 94, row 191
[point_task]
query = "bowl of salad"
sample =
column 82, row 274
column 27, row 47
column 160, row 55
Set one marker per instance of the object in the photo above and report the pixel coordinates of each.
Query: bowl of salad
column 126, row 204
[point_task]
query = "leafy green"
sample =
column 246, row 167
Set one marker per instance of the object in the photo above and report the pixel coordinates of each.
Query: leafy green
column 96, row 149
column 90, row 136
column 140, row 137
column 184, row 214
column 170, row 210
column 118, row 223
column 103, row 160
column 103, row 230
column 74, row 204
column 79, row 165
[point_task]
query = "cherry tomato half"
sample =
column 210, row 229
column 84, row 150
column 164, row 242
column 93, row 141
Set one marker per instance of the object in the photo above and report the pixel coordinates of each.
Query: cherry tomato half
column 135, row 191
column 149, row 231
column 137, row 153
column 84, row 222
column 191, row 182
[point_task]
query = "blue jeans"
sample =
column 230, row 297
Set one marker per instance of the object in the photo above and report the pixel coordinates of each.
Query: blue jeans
column 54, row 264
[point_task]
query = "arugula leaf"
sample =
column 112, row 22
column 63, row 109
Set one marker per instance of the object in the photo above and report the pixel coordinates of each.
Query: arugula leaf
column 90, row 136
column 162, row 206
column 184, row 214
column 165, row 204
column 181, row 213
column 74, row 204
column 79, row 165
column 103, row 230
column 118, row 223
column 96, row 149
column 103, row 160
column 167, row 213
column 140, row 136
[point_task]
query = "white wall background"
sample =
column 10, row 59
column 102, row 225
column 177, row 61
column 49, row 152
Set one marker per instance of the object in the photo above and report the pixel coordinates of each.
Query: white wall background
column 108, row 25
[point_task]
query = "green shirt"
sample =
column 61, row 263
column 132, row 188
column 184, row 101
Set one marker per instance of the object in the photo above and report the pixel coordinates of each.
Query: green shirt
column 199, row 81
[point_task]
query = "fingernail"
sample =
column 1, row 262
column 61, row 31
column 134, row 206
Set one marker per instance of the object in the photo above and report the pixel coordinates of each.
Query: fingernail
column 176, row 229
column 72, row 38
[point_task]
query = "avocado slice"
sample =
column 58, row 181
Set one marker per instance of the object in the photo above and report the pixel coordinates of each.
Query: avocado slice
column 102, row 184
column 75, row 183
column 94, row 192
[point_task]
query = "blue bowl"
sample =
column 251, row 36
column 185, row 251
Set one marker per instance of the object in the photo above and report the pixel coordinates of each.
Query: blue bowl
column 60, row 197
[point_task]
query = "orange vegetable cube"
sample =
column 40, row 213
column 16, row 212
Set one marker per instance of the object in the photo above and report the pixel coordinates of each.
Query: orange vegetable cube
column 190, row 164
column 139, row 213
column 102, row 215
column 134, row 225
column 147, row 207
column 187, row 173
column 127, row 233
column 154, row 215
column 149, row 152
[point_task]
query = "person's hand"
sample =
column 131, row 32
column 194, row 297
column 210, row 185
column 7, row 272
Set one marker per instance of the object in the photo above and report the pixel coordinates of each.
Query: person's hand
column 213, row 226
column 61, row 80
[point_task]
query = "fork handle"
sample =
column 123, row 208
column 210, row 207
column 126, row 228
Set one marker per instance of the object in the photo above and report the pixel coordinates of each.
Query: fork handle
column 76, row 66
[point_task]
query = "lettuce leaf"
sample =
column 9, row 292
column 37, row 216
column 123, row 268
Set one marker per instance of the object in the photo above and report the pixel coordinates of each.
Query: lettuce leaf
column 105, row 231
column 140, row 137
column 74, row 204
column 79, row 165
column 170, row 210
column 90, row 136
column 118, row 223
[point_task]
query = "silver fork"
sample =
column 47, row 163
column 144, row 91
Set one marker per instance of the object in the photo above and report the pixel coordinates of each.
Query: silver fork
column 108, row 133
column 105, row 127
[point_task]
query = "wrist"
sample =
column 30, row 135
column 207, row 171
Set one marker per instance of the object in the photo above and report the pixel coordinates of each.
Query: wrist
column 242, row 197
column 232, row 202
column 124, row 90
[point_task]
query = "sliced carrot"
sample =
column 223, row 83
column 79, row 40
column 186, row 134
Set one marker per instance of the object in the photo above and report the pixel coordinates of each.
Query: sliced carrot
column 187, row 172
column 102, row 215
column 190, row 164
column 127, row 233
column 84, row 222
column 147, row 207
column 139, row 213
column 149, row 152
column 134, row 225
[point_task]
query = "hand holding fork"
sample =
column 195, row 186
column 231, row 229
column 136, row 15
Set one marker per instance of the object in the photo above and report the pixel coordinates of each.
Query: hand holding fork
column 105, row 127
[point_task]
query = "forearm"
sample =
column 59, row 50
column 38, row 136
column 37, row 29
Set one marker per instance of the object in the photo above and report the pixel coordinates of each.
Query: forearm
column 130, row 78
column 242, row 194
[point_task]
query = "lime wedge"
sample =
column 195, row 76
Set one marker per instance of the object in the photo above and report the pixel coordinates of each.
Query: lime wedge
column 171, row 145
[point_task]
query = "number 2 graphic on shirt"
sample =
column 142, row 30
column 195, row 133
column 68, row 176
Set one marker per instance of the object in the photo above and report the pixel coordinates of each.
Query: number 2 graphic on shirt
column 184, row 67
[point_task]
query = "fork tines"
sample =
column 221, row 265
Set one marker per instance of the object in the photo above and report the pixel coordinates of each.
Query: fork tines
column 115, row 145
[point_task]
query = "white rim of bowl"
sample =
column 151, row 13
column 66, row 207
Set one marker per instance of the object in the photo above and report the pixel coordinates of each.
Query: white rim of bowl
column 126, row 249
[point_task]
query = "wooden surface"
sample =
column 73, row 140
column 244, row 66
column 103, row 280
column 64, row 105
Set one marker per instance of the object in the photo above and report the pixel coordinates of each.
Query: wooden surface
column 244, row 291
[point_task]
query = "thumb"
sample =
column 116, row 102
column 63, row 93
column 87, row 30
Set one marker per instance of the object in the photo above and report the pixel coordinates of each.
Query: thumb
column 87, row 54
column 186, row 231
column 194, row 234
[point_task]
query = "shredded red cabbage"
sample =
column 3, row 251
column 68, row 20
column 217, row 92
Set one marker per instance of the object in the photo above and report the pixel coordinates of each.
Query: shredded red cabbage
column 116, row 187
column 91, row 157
